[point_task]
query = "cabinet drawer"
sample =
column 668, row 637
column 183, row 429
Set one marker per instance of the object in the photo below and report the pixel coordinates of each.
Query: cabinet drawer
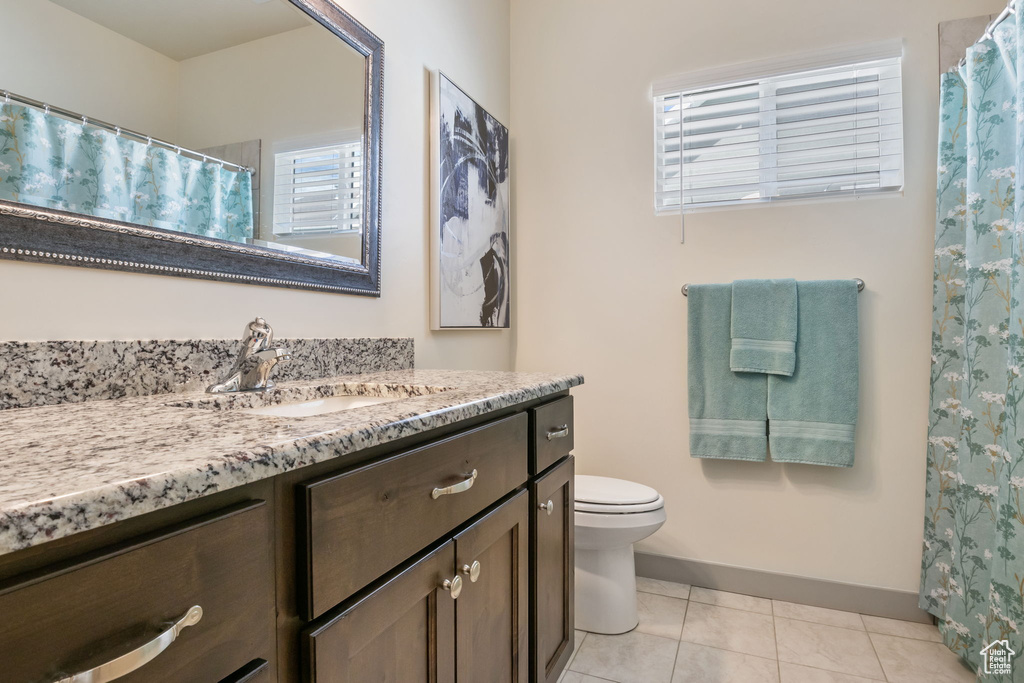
column 551, row 432
column 84, row 614
column 359, row 524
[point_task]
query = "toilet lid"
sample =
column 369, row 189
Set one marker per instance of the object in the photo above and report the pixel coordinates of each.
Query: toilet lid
column 604, row 509
column 609, row 491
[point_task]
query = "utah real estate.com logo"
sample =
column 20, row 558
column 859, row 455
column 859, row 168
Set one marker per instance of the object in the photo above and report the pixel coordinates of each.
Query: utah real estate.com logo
column 998, row 658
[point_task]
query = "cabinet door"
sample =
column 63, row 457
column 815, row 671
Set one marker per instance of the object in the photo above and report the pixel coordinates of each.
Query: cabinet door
column 402, row 632
column 492, row 613
column 552, row 563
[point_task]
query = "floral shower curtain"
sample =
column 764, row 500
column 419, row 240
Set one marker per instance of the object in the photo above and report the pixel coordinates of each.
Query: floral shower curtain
column 47, row 160
column 972, row 575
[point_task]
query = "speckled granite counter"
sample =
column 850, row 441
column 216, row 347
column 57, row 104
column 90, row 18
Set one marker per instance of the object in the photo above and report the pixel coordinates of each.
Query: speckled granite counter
column 72, row 467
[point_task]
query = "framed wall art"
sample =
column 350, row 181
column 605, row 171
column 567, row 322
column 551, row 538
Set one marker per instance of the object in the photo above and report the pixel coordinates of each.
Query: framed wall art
column 470, row 278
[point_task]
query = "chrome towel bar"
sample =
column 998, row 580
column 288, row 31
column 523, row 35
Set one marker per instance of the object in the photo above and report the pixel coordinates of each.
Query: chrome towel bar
column 860, row 286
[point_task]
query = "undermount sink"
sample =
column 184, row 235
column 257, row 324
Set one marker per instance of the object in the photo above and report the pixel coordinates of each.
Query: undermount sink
column 307, row 400
column 319, row 406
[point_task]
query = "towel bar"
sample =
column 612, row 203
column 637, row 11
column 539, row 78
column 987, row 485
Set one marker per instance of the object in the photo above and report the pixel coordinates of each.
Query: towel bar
column 860, row 286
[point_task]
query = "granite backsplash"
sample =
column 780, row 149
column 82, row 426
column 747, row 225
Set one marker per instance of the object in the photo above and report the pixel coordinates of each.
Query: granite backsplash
column 51, row 372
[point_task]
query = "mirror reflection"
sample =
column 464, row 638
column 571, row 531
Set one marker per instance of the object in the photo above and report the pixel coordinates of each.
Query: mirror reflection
column 239, row 120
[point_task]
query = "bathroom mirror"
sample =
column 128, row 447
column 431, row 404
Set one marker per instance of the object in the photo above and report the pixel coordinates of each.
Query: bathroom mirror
column 234, row 140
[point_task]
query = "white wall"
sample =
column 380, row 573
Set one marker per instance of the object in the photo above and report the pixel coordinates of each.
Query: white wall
column 301, row 87
column 56, row 56
column 469, row 40
column 599, row 274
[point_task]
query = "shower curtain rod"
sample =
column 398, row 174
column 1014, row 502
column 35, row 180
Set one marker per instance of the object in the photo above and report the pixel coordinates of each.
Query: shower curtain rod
column 118, row 130
column 1011, row 8
column 860, row 286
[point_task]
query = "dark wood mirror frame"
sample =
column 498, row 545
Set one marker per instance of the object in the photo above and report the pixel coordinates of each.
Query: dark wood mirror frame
column 41, row 235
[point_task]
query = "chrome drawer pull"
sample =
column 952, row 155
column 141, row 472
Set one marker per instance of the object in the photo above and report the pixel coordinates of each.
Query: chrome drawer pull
column 455, row 488
column 127, row 663
column 453, row 586
column 558, row 432
column 547, row 507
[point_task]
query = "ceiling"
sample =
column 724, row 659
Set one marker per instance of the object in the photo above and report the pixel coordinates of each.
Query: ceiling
column 181, row 29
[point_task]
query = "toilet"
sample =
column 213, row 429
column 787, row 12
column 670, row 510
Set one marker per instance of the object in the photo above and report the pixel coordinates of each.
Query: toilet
column 611, row 515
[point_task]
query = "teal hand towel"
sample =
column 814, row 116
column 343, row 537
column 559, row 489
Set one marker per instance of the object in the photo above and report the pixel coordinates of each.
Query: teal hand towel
column 812, row 415
column 764, row 326
column 727, row 409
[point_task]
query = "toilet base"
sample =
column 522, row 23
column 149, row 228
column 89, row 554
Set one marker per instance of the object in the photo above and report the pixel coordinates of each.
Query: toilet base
column 606, row 590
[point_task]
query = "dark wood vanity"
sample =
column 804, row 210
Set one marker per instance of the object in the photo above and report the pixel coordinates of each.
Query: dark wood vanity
column 445, row 556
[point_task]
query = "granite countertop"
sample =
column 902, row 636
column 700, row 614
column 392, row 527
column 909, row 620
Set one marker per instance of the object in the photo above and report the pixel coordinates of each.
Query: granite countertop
column 77, row 466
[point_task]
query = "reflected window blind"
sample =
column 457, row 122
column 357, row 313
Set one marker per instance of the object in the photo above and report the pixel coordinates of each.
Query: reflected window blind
column 319, row 190
column 803, row 134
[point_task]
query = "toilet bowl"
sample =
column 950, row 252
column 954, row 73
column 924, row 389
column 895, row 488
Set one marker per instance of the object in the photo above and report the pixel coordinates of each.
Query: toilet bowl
column 611, row 515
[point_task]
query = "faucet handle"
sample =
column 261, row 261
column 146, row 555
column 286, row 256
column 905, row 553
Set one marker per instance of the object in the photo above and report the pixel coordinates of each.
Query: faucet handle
column 258, row 335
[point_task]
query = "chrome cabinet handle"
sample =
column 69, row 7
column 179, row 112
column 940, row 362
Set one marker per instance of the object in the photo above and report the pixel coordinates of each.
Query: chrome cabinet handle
column 547, row 507
column 558, row 432
column 127, row 663
column 472, row 571
column 455, row 488
column 453, row 586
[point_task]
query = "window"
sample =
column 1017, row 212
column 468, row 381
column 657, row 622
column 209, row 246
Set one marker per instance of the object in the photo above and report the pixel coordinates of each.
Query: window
column 820, row 125
column 319, row 190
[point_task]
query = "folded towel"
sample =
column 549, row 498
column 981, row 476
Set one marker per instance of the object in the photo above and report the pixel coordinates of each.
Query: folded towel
column 727, row 409
column 812, row 415
column 764, row 326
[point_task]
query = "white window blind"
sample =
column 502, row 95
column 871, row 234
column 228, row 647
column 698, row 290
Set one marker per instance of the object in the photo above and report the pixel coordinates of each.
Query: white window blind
column 319, row 190
column 797, row 134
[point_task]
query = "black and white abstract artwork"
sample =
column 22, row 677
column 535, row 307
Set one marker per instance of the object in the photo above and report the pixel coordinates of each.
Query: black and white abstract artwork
column 471, row 213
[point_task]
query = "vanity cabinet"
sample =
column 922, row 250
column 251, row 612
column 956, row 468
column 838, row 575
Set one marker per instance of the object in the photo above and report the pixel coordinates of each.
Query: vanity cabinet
column 113, row 610
column 440, row 557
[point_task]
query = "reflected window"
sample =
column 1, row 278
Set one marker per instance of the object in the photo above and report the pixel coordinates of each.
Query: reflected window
column 318, row 190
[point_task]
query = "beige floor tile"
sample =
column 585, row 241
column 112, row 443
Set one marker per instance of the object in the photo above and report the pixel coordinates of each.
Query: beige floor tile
column 903, row 629
column 827, row 647
column 730, row 629
column 702, row 664
column 794, row 673
column 819, row 615
column 668, row 588
column 915, row 661
column 629, row 658
column 733, row 600
column 575, row 677
column 660, row 615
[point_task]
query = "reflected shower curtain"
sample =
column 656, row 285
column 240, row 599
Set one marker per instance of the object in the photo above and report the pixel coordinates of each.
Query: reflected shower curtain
column 47, row 160
column 972, row 574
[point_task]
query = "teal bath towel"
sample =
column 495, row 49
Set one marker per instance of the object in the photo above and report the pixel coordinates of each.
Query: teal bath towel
column 812, row 415
column 764, row 326
column 727, row 409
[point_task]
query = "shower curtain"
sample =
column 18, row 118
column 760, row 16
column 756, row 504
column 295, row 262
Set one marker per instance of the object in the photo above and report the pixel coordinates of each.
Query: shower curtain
column 47, row 160
column 972, row 574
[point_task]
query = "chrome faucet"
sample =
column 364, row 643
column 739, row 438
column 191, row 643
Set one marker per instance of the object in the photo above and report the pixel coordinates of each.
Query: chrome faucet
column 251, row 371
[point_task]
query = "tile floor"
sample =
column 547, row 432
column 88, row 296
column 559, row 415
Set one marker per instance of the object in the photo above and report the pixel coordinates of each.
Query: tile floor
column 698, row 635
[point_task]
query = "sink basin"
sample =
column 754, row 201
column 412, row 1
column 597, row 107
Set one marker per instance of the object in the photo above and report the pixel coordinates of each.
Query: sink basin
column 308, row 399
column 319, row 406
